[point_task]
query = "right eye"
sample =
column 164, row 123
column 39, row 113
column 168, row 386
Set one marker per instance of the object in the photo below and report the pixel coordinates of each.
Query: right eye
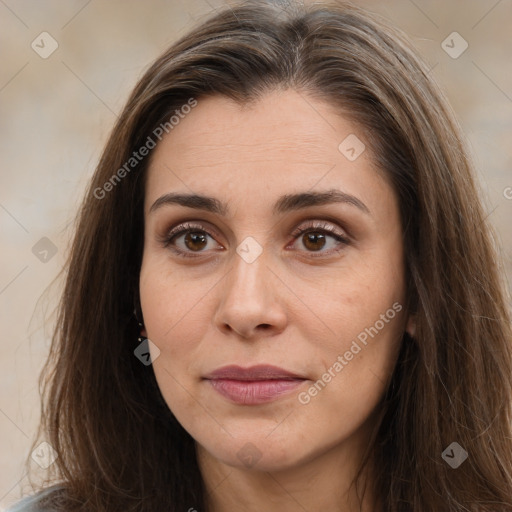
column 187, row 239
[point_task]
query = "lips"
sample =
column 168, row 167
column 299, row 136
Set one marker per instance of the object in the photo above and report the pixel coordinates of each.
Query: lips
column 258, row 372
column 255, row 385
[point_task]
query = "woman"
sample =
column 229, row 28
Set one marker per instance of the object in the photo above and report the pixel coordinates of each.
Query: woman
column 282, row 294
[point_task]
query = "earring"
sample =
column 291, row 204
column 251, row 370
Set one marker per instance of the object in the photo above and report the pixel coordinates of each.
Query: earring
column 141, row 337
column 137, row 313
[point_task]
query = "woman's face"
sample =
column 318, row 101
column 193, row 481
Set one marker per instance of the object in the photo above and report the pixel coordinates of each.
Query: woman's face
column 245, row 286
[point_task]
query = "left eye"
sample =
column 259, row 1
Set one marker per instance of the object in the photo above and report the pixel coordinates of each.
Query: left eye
column 316, row 239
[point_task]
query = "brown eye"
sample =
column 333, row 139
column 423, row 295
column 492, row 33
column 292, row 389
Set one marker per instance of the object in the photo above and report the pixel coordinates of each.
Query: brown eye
column 320, row 237
column 195, row 240
column 190, row 240
column 314, row 240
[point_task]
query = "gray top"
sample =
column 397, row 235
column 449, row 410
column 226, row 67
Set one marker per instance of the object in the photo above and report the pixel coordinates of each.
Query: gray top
column 30, row 503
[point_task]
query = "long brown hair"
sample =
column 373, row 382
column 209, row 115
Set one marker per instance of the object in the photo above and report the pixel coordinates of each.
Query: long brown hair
column 119, row 446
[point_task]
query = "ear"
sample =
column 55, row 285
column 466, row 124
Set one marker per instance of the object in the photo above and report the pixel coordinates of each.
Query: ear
column 410, row 327
column 143, row 332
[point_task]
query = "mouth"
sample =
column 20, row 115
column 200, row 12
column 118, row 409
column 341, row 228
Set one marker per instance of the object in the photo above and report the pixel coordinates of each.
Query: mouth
column 255, row 385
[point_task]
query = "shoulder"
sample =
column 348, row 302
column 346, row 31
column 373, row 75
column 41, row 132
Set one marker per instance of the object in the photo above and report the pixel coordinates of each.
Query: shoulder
column 33, row 503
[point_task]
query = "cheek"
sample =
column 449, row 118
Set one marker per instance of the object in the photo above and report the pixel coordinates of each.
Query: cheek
column 169, row 301
column 363, row 308
column 357, row 298
column 174, row 322
column 177, row 315
column 355, row 375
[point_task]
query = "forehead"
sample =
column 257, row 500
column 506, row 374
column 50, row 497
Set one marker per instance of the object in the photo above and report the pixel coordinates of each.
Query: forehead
column 287, row 122
column 285, row 140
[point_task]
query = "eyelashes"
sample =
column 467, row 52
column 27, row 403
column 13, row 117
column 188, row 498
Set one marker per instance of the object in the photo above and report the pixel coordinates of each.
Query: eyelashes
column 325, row 231
column 186, row 228
column 180, row 238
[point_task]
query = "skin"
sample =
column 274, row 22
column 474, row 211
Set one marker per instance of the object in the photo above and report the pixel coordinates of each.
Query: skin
column 299, row 305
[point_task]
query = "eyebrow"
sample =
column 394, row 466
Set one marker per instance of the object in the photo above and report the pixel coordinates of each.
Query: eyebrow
column 286, row 203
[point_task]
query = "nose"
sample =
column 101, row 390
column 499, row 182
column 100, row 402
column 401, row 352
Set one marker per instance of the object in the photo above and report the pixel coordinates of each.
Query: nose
column 250, row 303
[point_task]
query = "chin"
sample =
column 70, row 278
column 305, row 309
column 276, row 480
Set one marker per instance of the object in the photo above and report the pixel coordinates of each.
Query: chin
column 258, row 452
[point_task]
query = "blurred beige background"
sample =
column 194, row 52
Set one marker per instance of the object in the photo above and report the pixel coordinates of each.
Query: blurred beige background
column 56, row 112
